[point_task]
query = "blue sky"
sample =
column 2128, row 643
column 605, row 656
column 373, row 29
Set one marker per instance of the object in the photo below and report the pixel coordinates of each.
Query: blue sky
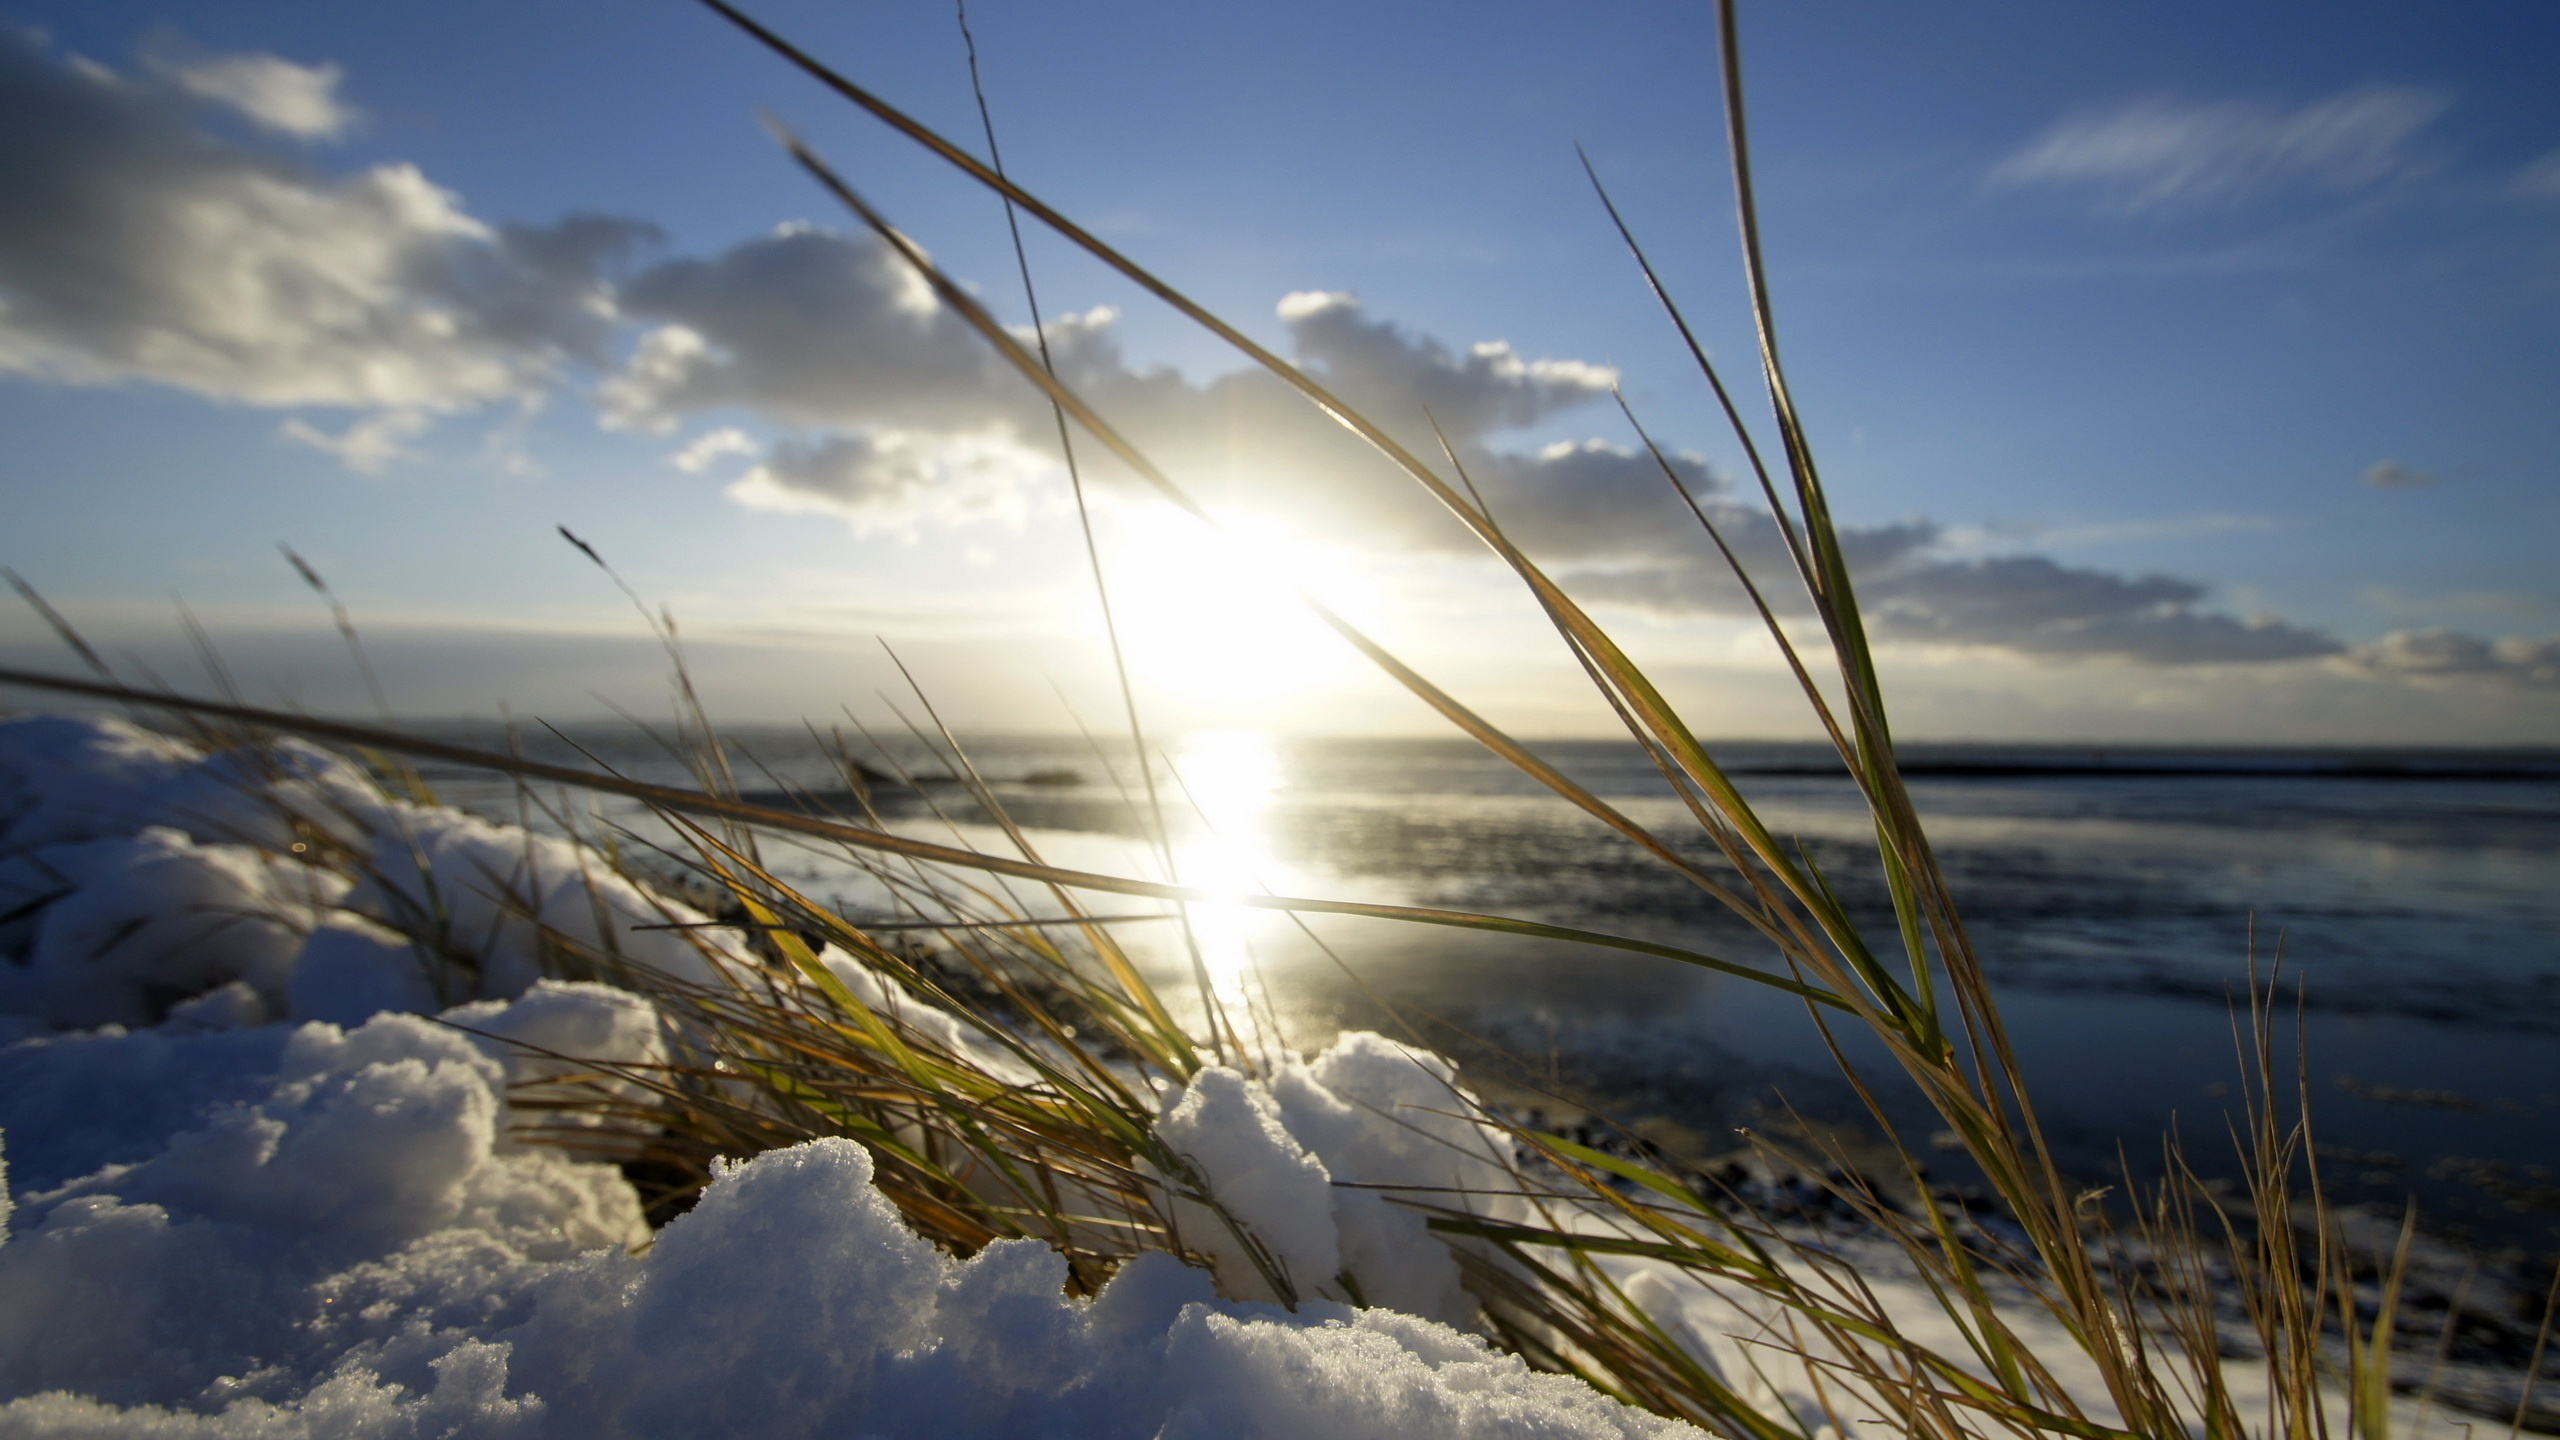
column 2185, row 371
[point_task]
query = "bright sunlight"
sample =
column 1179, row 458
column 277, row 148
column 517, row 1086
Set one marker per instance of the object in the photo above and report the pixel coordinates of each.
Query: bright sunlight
column 1215, row 617
column 1227, row 778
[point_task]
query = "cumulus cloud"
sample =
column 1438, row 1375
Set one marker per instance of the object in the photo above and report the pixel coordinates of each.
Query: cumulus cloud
column 268, row 90
column 2155, row 153
column 2392, row 475
column 366, row 446
column 834, row 336
column 2037, row 606
column 134, row 245
column 1402, row 375
column 892, row 479
column 2024, row 603
column 137, row 245
column 806, row 327
column 2449, row 656
column 901, row 413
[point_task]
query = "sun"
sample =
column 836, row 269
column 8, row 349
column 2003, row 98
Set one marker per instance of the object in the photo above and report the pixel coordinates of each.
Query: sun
column 1214, row 617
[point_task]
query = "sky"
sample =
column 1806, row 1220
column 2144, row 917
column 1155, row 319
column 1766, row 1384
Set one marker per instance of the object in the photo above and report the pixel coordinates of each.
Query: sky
column 2181, row 372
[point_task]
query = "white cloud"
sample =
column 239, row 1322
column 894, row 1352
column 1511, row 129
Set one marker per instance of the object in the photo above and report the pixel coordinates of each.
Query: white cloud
column 367, row 445
column 135, row 247
column 1404, row 376
column 805, row 327
column 883, row 479
column 297, row 100
column 2027, row 604
column 2157, row 153
column 829, row 335
column 2449, row 656
column 710, row 449
column 2392, row 475
column 903, row 415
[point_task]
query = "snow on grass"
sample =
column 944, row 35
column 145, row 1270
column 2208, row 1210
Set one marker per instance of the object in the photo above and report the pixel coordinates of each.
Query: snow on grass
column 258, row 1192
column 255, row 1195
column 354, row 1255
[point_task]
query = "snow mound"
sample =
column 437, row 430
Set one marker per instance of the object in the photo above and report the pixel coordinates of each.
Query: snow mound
column 353, row 1254
column 259, row 1193
column 351, row 1196
column 1386, row 1118
column 142, row 882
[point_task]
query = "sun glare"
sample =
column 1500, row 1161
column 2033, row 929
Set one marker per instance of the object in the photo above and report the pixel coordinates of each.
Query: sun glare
column 1214, row 618
column 1228, row 778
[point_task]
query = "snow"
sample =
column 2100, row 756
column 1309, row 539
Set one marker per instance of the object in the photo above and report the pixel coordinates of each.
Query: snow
column 1231, row 1131
column 1382, row 1113
column 1369, row 1111
column 136, row 874
column 266, row 1026
column 351, row 968
column 355, row 1253
column 791, row 1302
column 156, row 916
column 264, row 1036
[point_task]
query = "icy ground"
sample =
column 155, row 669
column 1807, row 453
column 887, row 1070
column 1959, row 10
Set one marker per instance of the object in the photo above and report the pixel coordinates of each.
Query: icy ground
column 257, row 1194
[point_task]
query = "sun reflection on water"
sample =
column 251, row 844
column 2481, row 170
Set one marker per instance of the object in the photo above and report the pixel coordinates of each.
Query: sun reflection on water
column 1226, row 779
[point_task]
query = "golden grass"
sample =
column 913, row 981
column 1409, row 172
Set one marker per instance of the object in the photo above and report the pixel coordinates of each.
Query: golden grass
column 1039, row 1120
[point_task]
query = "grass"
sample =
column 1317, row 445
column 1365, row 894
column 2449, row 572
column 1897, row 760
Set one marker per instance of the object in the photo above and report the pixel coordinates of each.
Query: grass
column 1010, row 1087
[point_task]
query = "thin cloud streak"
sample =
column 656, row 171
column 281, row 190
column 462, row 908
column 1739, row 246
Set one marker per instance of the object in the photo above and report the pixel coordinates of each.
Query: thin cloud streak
column 2159, row 153
column 2539, row 180
column 2392, row 475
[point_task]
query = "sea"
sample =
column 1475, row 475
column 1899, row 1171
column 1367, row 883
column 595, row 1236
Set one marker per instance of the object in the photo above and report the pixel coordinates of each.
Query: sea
column 2397, row 910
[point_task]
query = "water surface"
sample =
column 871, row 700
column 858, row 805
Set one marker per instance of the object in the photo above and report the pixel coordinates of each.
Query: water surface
column 2120, row 899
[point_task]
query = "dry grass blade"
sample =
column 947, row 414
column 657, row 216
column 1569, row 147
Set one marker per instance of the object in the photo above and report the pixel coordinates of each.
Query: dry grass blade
column 1657, row 713
column 1629, row 687
column 1963, row 1062
column 1092, row 550
column 694, row 802
column 1014, row 1090
column 981, row 1129
column 62, row 628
